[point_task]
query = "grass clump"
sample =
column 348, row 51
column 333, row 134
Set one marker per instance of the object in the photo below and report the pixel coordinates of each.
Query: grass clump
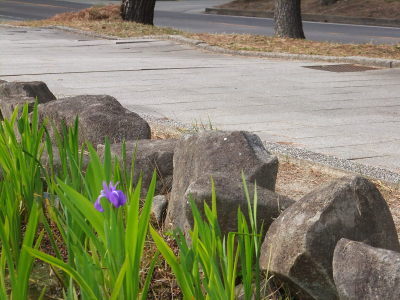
column 102, row 20
column 100, row 247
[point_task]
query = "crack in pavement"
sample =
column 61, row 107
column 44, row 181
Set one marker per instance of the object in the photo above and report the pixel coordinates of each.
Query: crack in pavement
column 106, row 71
column 365, row 157
column 135, row 42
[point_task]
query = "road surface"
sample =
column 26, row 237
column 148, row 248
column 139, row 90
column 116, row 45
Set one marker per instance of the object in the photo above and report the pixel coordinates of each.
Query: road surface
column 187, row 15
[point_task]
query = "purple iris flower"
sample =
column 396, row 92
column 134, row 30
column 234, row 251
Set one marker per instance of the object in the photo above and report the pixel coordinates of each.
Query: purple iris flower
column 116, row 197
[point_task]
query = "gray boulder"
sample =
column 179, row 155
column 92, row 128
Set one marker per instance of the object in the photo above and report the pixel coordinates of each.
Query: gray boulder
column 364, row 272
column 230, row 196
column 148, row 155
column 218, row 153
column 32, row 89
column 300, row 243
column 159, row 207
column 265, row 291
column 100, row 116
column 56, row 164
column 2, row 81
column 9, row 104
column 19, row 93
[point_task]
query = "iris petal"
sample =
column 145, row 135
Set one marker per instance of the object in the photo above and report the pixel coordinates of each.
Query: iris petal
column 121, row 198
column 116, row 197
column 97, row 205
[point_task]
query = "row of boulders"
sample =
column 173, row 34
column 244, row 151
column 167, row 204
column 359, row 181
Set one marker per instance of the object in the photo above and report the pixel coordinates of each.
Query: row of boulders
column 338, row 241
column 99, row 116
column 299, row 245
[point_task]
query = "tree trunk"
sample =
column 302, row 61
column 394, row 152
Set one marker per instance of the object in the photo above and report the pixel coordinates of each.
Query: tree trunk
column 288, row 19
column 139, row 11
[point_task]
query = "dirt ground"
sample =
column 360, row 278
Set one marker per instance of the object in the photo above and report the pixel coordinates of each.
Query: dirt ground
column 295, row 180
column 385, row 9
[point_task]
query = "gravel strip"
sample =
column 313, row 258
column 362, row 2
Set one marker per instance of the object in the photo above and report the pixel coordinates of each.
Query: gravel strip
column 333, row 162
column 299, row 155
column 164, row 122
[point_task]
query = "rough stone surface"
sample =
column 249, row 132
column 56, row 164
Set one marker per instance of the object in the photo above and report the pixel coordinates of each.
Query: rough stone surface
column 9, row 104
column 32, row 89
column 19, row 93
column 230, row 196
column 100, row 116
column 149, row 155
column 265, row 291
column 57, row 164
column 299, row 244
column 218, row 153
column 159, row 208
column 364, row 272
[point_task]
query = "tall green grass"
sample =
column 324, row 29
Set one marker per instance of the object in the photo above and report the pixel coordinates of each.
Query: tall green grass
column 104, row 249
column 211, row 264
column 20, row 186
column 48, row 186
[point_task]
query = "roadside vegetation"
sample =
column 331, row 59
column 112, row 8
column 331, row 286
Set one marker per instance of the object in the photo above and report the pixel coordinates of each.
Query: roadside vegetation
column 77, row 229
column 88, row 228
column 106, row 20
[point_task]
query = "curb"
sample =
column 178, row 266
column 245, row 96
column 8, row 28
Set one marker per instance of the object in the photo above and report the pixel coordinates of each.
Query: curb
column 359, row 60
column 374, row 62
column 307, row 17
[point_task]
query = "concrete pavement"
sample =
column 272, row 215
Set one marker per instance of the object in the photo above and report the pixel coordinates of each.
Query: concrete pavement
column 350, row 115
column 188, row 15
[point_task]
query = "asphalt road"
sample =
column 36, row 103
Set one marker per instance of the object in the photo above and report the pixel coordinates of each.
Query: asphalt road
column 187, row 15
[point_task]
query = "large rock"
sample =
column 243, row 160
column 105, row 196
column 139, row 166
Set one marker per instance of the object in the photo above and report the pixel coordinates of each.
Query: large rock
column 158, row 208
column 149, row 155
column 230, row 196
column 100, row 116
column 299, row 244
column 32, row 89
column 364, row 272
column 57, row 164
column 19, row 93
column 218, row 153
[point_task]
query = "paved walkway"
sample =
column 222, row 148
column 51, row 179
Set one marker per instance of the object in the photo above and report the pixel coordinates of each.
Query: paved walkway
column 350, row 115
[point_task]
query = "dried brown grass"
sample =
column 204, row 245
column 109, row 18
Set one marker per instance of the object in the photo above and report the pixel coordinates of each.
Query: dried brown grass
column 104, row 20
column 95, row 13
column 249, row 42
